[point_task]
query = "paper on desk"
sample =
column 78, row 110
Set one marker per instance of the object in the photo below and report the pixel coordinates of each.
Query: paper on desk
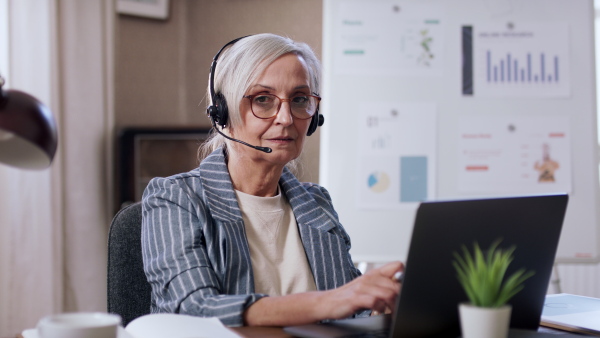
column 32, row 333
column 167, row 325
column 572, row 313
column 162, row 325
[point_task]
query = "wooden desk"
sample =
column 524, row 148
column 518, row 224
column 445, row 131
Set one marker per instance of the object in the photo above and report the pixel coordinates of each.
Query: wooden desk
column 251, row 332
column 261, row 332
column 277, row 332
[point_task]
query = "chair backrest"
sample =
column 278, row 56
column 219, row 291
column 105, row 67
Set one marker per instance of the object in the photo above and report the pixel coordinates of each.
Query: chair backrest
column 128, row 289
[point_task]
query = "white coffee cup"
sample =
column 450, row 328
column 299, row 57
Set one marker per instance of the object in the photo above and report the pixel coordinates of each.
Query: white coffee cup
column 79, row 325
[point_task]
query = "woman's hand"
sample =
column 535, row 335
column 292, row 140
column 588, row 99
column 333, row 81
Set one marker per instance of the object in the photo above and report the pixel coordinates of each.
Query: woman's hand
column 375, row 290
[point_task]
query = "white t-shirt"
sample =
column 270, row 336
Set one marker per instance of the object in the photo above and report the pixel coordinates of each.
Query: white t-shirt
column 278, row 258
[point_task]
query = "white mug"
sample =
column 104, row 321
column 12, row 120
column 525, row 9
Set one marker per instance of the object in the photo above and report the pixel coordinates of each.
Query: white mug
column 79, row 325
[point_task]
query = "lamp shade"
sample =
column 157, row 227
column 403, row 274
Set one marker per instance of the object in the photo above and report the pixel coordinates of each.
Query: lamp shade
column 28, row 135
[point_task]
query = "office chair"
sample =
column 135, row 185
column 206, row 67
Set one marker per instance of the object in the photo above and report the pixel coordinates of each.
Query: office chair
column 128, row 290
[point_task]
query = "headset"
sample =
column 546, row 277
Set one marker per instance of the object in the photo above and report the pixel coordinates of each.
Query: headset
column 219, row 114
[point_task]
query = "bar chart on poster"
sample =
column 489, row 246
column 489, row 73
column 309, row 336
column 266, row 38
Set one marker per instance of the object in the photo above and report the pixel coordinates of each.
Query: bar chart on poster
column 531, row 62
column 455, row 99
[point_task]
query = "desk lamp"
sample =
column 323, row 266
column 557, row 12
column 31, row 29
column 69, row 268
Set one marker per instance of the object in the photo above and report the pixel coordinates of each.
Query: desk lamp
column 28, row 136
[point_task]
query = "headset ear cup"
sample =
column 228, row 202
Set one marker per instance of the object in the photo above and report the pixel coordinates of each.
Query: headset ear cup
column 221, row 113
column 315, row 121
column 213, row 114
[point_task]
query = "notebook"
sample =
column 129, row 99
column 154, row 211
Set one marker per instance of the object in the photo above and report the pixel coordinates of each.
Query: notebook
column 572, row 313
column 428, row 303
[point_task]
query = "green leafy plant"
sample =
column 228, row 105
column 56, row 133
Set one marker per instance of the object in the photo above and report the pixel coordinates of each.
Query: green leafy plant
column 482, row 276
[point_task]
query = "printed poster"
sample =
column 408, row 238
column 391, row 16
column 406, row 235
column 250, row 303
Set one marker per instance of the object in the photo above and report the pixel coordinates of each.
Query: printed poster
column 397, row 147
column 514, row 155
column 389, row 38
column 517, row 60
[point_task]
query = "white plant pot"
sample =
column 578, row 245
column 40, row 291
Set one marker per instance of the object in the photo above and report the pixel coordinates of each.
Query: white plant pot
column 482, row 322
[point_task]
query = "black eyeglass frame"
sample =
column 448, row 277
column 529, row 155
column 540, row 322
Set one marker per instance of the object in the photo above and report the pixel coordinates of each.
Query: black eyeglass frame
column 251, row 97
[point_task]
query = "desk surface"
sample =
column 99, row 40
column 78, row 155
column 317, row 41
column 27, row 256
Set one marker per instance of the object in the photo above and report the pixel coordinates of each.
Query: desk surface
column 249, row 332
column 261, row 332
column 277, row 332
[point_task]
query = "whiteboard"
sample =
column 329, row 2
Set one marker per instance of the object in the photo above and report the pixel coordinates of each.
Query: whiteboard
column 445, row 99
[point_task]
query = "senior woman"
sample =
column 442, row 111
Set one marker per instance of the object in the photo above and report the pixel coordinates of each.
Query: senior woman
column 240, row 238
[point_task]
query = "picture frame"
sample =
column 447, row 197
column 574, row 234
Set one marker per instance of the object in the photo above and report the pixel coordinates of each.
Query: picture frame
column 154, row 9
column 147, row 152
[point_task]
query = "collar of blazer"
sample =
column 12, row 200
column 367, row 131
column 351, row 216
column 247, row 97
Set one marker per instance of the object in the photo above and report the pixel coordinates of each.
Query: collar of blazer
column 308, row 202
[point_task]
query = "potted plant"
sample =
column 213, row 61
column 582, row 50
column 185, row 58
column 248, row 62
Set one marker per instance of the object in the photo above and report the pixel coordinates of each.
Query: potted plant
column 482, row 276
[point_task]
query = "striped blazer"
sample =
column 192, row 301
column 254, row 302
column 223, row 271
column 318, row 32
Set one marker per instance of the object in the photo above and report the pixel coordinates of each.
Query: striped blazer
column 196, row 255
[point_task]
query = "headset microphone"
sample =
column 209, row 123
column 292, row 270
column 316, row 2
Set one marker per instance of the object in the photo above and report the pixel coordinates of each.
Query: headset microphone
column 217, row 111
column 263, row 149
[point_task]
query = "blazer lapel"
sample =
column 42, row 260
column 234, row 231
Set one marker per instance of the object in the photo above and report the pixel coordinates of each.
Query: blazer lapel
column 325, row 251
column 235, row 266
column 218, row 189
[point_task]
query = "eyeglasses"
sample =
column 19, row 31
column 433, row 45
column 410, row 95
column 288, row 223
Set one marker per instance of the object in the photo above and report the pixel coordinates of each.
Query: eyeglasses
column 266, row 106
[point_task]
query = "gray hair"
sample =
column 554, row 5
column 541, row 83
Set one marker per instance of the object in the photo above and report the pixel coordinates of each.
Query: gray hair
column 242, row 63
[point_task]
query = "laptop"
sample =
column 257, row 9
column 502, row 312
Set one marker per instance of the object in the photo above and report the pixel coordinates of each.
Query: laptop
column 428, row 302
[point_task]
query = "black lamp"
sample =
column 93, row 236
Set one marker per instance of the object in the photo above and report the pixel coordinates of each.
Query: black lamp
column 28, row 135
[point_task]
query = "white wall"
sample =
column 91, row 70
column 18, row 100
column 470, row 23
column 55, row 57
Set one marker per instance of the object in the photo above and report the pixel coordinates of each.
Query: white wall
column 4, row 39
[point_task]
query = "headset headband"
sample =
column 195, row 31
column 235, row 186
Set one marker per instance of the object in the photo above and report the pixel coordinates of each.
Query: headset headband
column 213, row 66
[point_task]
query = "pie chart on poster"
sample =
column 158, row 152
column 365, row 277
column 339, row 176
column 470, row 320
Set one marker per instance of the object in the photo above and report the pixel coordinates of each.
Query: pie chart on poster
column 379, row 182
